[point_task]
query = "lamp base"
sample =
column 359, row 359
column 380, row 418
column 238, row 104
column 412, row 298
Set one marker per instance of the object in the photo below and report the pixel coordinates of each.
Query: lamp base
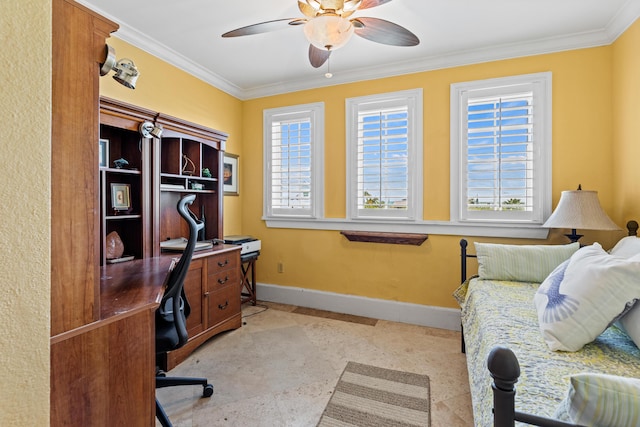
column 573, row 236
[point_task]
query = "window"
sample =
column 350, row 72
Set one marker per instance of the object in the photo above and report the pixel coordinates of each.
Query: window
column 501, row 150
column 293, row 153
column 384, row 156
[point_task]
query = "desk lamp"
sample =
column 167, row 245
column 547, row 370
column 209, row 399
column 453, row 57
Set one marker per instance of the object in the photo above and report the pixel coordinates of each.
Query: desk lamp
column 579, row 209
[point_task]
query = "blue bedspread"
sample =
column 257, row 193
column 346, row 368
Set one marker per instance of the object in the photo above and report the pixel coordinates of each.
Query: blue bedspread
column 502, row 313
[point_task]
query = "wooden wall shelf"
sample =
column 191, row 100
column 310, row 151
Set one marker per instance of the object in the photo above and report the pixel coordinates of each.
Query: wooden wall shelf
column 381, row 237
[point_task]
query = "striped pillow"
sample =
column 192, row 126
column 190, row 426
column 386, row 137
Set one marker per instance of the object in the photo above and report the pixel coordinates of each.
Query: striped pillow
column 521, row 263
column 602, row 400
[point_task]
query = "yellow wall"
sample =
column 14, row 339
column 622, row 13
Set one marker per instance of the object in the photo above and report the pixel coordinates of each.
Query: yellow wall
column 626, row 120
column 324, row 260
column 166, row 89
column 597, row 147
column 25, row 135
column 583, row 140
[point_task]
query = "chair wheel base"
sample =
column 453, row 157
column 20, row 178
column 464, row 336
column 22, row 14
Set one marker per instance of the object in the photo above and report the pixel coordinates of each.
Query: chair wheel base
column 207, row 391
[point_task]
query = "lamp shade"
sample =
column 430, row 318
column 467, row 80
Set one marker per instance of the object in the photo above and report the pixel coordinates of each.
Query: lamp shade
column 328, row 32
column 580, row 209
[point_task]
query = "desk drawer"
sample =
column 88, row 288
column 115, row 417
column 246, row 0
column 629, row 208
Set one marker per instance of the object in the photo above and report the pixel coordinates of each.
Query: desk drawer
column 223, row 304
column 221, row 279
column 222, row 262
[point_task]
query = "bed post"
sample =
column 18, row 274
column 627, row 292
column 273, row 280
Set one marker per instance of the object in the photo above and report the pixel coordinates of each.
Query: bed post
column 463, row 260
column 463, row 277
column 505, row 370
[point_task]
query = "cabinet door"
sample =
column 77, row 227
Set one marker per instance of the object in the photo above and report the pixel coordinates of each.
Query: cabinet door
column 224, row 303
column 223, row 287
column 194, row 290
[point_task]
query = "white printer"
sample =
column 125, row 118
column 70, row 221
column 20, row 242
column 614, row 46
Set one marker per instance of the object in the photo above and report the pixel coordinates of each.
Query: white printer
column 250, row 245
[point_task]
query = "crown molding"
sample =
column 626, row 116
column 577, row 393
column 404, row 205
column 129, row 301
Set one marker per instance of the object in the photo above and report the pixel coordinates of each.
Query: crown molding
column 626, row 16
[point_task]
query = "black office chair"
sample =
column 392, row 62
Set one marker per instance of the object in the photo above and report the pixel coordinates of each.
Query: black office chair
column 171, row 316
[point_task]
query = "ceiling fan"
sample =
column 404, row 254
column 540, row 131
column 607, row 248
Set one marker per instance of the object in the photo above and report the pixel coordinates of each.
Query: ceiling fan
column 327, row 28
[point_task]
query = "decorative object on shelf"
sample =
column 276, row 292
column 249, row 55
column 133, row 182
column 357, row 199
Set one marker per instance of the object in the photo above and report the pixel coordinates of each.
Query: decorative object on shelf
column 206, row 173
column 103, row 152
column 126, row 72
column 202, row 233
column 114, row 246
column 120, row 197
column 580, row 209
column 230, row 174
column 197, row 186
column 120, row 163
column 150, row 130
column 188, row 167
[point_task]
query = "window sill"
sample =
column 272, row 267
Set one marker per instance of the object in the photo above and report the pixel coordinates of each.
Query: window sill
column 512, row 231
column 383, row 237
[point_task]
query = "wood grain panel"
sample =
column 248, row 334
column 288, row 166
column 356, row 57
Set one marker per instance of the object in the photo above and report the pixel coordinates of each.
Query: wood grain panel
column 104, row 377
column 78, row 41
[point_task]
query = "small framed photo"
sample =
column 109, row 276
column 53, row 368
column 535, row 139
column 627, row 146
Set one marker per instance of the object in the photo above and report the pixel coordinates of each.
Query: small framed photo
column 103, row 153
column 230, row 174
column 120, row 197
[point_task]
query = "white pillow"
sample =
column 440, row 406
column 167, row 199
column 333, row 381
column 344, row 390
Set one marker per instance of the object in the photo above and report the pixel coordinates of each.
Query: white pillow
column 602, row 400
column 584, row 295
column 520, row 263
column 630, row 323
column 626, row 247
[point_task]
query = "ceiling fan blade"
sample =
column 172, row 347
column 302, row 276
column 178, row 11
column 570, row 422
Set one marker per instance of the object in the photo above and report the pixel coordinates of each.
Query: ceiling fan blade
column 317, row 57
column 306, row 9
column 385, row 32
column 263, row 27
column 368, row 4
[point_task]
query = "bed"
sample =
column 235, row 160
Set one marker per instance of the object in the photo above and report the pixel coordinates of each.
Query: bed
column 503, row 330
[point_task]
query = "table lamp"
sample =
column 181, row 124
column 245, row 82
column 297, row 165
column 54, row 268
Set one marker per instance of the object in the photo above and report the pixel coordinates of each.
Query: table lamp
column 579, row 209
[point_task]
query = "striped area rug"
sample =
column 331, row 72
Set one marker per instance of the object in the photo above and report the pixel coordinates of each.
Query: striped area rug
column 368, row 396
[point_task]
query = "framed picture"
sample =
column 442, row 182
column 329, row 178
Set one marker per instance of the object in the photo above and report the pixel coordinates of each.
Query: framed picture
column 230, row 174
column 120, row 197
column 103, row 152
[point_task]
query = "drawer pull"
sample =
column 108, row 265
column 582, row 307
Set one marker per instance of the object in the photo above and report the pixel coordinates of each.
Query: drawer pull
column 222, row 307
column 223, row 281
column 222, row 264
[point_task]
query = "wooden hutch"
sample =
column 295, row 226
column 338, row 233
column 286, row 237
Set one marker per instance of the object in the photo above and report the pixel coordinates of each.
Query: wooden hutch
column 102, row 314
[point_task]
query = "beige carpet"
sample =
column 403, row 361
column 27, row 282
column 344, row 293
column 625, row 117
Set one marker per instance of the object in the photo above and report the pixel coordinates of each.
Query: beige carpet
column 368, row 396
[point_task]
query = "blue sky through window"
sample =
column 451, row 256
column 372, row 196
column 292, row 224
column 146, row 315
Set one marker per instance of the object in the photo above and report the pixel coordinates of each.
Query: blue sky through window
column 499, row 153
column 291, row 181
column 383, row 170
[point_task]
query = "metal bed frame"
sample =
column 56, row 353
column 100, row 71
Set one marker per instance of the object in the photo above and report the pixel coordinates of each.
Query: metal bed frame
column 505, row 370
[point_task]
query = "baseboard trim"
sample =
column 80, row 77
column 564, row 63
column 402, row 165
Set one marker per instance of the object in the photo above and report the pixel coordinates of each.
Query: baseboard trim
column 423, row 315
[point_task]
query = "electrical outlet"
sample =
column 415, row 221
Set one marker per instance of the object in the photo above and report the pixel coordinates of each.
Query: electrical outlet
column 280, row 267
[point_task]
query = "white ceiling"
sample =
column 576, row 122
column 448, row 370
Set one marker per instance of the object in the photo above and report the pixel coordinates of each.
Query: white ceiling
column 187, row 34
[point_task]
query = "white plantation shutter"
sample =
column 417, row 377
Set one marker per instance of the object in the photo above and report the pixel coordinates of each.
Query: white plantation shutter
column 384, row 155
column 293, row 149
column 500, row 153
column 502, row 149
column 291, row 170
column 383, row 151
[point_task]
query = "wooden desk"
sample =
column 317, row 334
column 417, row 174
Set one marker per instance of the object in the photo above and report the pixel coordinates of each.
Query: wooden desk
column 104, row 371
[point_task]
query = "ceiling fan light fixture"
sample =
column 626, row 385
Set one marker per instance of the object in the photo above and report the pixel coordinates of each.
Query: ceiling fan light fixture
column 328, row 32
column 350, row 5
